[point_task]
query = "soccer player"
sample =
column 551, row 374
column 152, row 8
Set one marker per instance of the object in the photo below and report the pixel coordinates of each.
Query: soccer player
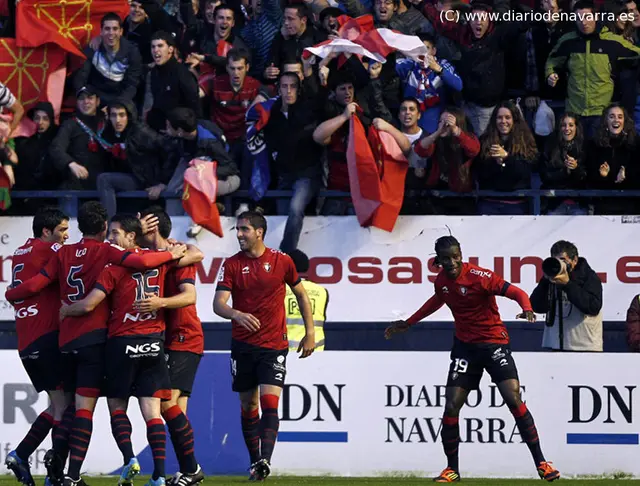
column 184, row 344
column 255, row 278
column 481, row 343
column 76, row 268
column 136, row 364
column 37, row 329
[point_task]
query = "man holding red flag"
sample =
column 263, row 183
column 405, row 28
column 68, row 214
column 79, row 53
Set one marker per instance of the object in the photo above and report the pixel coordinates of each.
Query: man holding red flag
column 335, row 134
column 199, row 139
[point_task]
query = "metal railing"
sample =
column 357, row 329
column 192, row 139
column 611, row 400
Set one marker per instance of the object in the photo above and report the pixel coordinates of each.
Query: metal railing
column 535, row 196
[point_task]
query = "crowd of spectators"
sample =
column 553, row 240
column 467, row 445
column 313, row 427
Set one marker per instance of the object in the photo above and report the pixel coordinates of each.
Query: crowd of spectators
column 493, row 105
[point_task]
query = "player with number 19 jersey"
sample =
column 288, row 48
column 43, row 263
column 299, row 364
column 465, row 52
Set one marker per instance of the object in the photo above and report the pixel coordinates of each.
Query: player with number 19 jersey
column 77, row 268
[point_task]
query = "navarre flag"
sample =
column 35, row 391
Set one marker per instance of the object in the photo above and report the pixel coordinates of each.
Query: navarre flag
column 257, row 118
column 199, row 195
column 5, row 190
column 71, row 24
column 31, row 73
column 392, row 166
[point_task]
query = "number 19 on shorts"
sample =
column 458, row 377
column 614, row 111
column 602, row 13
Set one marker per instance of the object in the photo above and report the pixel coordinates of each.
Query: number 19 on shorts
column 460, row 365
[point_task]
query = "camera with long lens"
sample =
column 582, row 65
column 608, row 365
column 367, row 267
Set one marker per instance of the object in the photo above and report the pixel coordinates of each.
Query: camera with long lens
column 552, row 267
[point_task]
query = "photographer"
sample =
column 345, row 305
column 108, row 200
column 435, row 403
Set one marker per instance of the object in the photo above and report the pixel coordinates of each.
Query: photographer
column 570, row 294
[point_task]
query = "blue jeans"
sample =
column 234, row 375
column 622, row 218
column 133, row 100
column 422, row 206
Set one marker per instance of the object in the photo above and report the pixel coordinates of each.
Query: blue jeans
column 304, row 189
column 568, row 209
column 109, row 183
column 590, row 125
column 501, row 208
column 636, row 112
column 338, row 207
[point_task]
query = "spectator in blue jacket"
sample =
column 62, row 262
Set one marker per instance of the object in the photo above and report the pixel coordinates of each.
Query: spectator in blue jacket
column 427, row 81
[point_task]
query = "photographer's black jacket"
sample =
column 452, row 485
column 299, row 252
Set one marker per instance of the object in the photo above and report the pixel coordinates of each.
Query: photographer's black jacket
column 584, row 291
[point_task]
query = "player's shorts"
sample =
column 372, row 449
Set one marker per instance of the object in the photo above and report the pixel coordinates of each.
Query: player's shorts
column 136, row 367
column 84, row 370
column 255, row 366
column 45, row 368
column 182, row 366
column 469, row 360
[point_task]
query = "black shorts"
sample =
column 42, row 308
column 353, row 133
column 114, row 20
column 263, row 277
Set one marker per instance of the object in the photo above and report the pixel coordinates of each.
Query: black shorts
column 182, row 366
column 255, row 366
column 468, row 362
column 136, row 368
column 45, row 369
column 84, row 370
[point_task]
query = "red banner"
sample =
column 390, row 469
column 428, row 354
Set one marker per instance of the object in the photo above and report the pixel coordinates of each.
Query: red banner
column 26, row 71
column 199, row 195
column 69, row 23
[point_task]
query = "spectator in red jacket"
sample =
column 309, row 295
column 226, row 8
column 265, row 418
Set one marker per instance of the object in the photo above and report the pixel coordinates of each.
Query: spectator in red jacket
column 231, row 96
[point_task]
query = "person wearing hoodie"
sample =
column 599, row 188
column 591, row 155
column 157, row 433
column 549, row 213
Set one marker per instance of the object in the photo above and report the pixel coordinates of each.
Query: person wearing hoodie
column 590, row 56
column 138, row 156
column 115, row 68
column 198, row 139
column 572, row 302
column 35, row 170
column 75, row 151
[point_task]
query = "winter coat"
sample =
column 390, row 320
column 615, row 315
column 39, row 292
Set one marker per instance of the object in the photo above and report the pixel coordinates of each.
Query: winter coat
column 589, row 62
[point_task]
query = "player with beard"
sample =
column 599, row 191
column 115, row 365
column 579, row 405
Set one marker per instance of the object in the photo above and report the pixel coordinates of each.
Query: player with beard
column 481, row 343
column 37, row 329
column 255, row 279
column 184, row 344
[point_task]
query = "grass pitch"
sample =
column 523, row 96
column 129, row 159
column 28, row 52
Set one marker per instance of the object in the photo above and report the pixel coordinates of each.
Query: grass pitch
column 338, row 481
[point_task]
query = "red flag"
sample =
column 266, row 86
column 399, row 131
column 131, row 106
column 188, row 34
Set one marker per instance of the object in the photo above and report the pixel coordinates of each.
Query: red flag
column 393, row 166
column 351, row 28
column 199, row 196
column 5, row 190
column 70, row 23
column 27, row 71
column 364, row 180
column 4, row 8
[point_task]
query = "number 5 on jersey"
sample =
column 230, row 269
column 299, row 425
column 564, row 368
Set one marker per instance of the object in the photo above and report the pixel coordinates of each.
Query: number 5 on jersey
column 75, row 282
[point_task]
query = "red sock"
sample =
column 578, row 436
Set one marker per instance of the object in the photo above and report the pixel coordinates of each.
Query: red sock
column 157, row 438
column 121, row 430
column 251, row 433
column 79, row 439
column 37, row 433
column 182, row 439
column 269, row 424
column 451, row 440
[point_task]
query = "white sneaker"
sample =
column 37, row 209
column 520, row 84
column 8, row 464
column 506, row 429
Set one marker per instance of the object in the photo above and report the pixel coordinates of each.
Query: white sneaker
column 194, row 230
column 241, row 209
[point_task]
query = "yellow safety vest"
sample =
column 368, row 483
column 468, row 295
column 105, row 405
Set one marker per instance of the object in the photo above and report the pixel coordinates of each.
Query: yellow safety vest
column 319, row 298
